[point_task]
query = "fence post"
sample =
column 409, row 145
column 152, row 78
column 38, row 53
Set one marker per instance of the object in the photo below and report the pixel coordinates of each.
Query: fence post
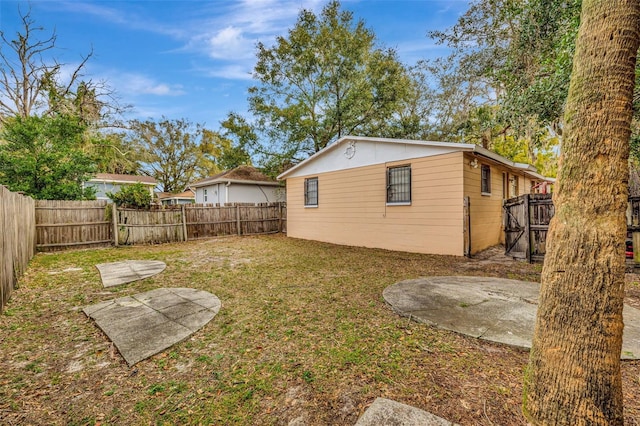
column 238, row 223
column 280, row 217
column 527, row 227
column 184, row 222
column 114, row 214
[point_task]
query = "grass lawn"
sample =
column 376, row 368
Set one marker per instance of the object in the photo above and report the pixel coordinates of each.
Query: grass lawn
column 303, row 335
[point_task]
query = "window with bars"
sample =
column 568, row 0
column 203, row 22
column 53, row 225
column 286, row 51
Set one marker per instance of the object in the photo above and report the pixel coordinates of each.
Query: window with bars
column 311, row 192
column 399, row 185
column 485, row 181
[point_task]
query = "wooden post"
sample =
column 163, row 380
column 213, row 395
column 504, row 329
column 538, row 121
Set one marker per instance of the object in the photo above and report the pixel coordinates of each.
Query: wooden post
column 279, row 217
column 184, row 223
column 114, row 214
column 238, row 224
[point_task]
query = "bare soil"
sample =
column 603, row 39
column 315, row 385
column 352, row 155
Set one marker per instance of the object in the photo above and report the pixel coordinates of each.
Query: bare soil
column 303, row 338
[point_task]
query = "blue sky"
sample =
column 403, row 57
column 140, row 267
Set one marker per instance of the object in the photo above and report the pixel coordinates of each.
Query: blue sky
column 193, row 59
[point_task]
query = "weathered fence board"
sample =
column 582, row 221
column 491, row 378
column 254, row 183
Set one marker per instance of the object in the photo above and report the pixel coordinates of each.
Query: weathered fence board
column 72, row 224
column 149, row 226
column 197, row 221
column 17, row 240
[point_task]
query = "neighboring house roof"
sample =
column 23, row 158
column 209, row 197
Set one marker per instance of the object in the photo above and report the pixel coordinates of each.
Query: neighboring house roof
column 117, row 178
column 247, row 175
column 186, row 195
column 351, row 141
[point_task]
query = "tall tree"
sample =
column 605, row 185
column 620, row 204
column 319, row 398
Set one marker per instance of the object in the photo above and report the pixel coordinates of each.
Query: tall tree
column 324, row 80
column 31, row 85
column 574, row 371
column 514, row 59
column 44, row 157
column 175, row 151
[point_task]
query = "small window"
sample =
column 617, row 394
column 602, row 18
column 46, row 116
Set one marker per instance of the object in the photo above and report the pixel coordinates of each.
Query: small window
column 205, row 195
column 486, row 179
column 311, row 191
column 399, row 185
column 513, row 181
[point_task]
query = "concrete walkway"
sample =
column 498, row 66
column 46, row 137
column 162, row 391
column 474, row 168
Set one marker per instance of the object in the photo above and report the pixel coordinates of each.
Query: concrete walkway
column 117, row 273
column 147, row 323
column 495, row 309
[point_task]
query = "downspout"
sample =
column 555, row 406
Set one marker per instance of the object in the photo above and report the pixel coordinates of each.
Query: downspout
column 226, row 192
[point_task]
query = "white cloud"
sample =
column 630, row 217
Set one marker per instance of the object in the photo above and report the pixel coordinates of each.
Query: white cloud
column 132, row 84
column 229, row 43
column 232, row 31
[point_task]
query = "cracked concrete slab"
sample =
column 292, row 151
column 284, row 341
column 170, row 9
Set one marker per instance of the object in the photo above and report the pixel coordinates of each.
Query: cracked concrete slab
column 495, row 309
column 117, row 273
column 145, row 324
column 385, row 412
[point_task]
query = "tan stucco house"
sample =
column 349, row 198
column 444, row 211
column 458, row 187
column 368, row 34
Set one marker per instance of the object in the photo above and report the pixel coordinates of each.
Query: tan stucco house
column 406, row 195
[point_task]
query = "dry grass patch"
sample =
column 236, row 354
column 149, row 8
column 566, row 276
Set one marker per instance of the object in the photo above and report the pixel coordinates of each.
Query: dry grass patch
column 303, row 334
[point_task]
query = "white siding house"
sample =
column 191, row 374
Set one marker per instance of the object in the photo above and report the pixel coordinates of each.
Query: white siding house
column 243, row 184
column 111, row 182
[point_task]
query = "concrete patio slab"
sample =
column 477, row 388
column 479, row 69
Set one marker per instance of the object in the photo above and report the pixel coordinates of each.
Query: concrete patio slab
column 117, row 273
column 495, row 309
column 145, row 324
column 385, row 412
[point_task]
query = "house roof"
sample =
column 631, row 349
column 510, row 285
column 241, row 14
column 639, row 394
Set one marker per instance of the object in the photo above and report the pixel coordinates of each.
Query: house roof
column 188, row 194
column 247, row 175
column 117, row 178
column 478, row 150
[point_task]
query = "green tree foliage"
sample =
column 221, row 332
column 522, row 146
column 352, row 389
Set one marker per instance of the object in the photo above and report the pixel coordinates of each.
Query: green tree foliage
column 135, row 196
column 175, row 152
column 324, row 80
column 516, row 59
column 43, row 157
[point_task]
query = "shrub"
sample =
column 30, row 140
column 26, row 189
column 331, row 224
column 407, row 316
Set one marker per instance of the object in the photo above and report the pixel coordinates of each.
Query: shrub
column 135, row 196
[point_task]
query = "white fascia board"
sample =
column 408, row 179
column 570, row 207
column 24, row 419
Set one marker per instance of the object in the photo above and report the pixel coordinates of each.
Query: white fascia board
column 240, row 182
column 528, row 169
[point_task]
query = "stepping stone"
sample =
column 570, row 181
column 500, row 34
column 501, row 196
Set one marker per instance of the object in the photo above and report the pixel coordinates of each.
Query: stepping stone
column 116, row 273
column 147, row 323
column 385, row 412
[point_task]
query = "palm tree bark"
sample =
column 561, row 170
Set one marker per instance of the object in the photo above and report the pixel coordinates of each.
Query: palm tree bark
column 574, row 370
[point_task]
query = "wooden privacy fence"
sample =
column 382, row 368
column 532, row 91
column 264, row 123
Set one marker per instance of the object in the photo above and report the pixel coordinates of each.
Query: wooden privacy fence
column 62, row 225
column 17, row 240
column 190, row 221
column 526, row 223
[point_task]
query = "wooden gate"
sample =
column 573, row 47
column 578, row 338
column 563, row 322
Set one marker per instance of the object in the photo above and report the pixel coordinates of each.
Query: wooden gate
column 526, row 223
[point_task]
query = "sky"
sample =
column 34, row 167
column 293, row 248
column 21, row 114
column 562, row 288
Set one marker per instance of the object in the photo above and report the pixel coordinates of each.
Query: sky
column 193, row 59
